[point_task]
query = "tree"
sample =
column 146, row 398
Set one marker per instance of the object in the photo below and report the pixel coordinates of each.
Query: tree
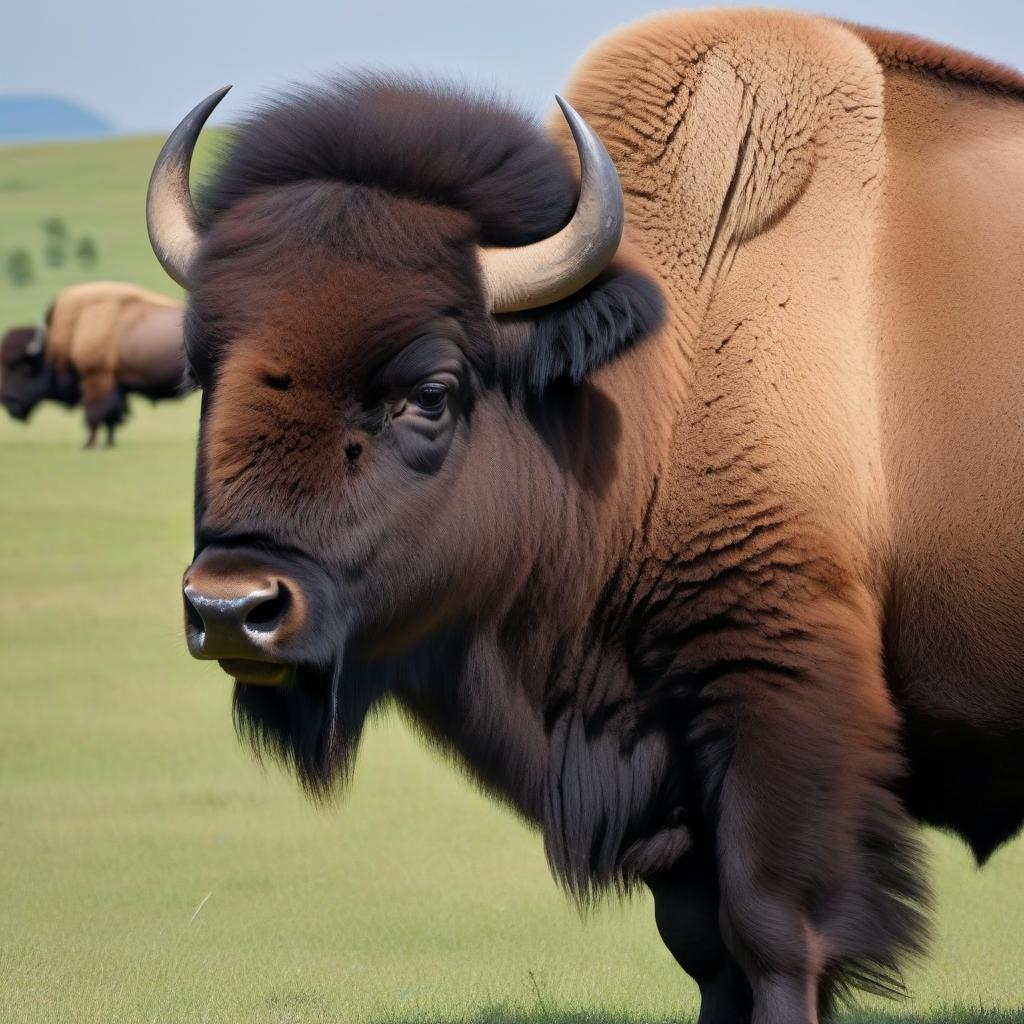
column 86, row 252
column 55, row 229
column 19, row 268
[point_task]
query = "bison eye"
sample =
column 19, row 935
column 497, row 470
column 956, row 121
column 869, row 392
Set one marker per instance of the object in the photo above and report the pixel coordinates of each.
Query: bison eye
column 431, row 397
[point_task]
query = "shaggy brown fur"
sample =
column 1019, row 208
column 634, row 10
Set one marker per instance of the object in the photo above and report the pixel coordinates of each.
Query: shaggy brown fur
column 718, row 590
column 103, row 340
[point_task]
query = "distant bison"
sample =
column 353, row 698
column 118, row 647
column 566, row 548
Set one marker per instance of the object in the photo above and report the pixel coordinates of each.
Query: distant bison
column 100, row 343
column 704, row 552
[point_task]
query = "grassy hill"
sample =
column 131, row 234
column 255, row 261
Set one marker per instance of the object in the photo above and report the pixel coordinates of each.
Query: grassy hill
column 96, row 189
column 150, row 871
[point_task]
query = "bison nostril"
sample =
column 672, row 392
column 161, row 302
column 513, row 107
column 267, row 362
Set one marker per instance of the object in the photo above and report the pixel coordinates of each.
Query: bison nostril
column 268, row 615
column 195, row 620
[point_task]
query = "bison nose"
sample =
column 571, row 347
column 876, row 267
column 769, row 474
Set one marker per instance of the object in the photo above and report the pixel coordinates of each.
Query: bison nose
column 245, row 613
column 221, row 624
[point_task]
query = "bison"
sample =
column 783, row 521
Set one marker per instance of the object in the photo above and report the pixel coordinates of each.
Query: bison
column 101, row 342
column 700, row 547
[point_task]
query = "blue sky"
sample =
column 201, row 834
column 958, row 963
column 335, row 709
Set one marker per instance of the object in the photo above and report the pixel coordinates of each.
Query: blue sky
column 144, row 64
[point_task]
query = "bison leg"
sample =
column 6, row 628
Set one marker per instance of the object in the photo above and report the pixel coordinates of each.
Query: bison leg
column 819, row 882
column 103, row 403
column 686, row 903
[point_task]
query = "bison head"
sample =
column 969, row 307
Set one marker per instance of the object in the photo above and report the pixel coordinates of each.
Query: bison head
column 24, row 373
column 398, row 296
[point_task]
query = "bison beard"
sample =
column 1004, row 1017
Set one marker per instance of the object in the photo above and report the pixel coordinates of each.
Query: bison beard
column 304, row 726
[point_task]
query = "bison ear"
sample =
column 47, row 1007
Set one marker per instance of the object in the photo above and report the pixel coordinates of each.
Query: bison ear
column 571, row 338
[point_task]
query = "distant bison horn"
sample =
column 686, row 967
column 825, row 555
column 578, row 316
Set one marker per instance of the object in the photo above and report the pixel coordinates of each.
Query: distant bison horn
column 38, row 343
column 514, row 279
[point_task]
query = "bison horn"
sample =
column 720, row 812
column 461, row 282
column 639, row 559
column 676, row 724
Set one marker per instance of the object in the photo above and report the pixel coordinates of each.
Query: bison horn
column 514, row 278
column 170, row 216
column 535, row 275
column 37, row 344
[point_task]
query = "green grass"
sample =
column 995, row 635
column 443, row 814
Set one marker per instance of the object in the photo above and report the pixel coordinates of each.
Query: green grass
column 125, row 801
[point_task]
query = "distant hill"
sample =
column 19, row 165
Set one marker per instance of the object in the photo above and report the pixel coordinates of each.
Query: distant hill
column 48, row 117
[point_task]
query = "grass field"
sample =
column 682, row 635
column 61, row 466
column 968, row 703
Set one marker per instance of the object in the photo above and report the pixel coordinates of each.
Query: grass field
column 150, row 871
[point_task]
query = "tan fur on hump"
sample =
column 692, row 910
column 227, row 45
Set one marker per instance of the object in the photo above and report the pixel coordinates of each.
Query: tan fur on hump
column 88, row 319
column 749, row 143
column 715, row 119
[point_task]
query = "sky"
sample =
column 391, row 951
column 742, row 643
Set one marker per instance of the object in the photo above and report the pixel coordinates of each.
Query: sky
column 144, row 64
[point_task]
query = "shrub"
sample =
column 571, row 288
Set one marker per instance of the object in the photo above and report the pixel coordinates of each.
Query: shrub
column 20, row 270
column 55, row 229
column 86, row 251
